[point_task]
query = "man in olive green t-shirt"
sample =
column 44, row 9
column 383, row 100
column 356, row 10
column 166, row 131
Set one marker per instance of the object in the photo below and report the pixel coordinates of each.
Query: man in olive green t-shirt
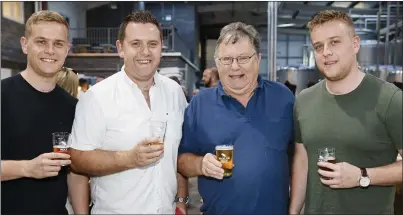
column 358, row 115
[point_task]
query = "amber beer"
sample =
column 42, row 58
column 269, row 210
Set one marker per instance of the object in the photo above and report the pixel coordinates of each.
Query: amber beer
column 225, row 154
column 61, row 149
column 327, row 155
column 160, row 142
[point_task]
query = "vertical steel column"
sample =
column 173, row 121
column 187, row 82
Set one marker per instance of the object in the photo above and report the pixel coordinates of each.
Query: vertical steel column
column 141, row 5
column 378, row 26
column 271, row 40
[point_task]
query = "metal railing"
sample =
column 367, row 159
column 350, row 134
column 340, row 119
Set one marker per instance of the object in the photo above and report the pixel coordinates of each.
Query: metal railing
column 103, row 40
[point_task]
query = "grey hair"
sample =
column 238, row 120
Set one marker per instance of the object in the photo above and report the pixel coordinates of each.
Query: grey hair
column 236, row 30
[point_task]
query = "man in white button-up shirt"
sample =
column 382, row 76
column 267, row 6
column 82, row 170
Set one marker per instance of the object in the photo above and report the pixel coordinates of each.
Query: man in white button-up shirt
column 111, row 135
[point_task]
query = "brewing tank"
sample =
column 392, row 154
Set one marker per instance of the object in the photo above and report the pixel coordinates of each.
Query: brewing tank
column 388, row 73
column 300, row 76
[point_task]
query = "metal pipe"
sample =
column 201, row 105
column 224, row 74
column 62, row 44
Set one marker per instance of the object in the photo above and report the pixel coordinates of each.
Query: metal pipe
column 141, row 5
column 396, row 35
column 271, row 40
column 378, row 28
column 386, row 57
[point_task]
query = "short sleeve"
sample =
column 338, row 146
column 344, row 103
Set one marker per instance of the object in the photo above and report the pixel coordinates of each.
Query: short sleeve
column 297, row 129
column 189, row 143
column 89, row 125
column 394, row 119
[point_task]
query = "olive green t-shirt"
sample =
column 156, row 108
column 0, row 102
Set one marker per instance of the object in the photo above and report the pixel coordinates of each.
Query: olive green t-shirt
column 365, row 128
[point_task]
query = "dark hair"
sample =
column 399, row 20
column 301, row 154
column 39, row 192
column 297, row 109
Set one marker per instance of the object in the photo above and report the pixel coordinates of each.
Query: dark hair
column 140, row 16
column 175, row 79
column 82, row 81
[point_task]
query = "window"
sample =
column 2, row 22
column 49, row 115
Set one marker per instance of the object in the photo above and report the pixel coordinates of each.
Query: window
column 13, row 11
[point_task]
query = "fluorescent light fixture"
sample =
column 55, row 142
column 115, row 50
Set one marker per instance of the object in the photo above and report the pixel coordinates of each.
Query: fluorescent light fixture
column 286, row 25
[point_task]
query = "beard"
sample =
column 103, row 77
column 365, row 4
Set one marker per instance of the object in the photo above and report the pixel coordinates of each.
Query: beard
column 208, row 84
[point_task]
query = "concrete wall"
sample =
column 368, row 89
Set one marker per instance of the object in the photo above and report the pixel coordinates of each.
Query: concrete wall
column 12, row 57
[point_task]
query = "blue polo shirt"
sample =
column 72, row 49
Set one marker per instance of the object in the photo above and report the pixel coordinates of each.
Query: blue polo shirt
column 260, row 133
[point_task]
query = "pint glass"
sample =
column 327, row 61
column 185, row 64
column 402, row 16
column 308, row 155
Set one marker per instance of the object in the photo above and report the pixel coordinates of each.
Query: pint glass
column 61, row 142
column 158, row 129
column 225, row 154
column 327, row 155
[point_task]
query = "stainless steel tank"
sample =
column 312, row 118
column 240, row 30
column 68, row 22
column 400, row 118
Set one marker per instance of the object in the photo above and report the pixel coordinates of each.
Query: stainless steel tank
column 388, row 73
column 371, row 53
column 299, row 75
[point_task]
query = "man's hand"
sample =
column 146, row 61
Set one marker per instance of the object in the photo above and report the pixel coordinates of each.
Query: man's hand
column 211, row 167
column 144, row 154
column 344, row 175
column 46, row 165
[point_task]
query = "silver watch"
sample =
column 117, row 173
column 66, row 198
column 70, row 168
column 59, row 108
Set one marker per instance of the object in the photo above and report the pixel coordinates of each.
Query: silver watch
column 182, row 200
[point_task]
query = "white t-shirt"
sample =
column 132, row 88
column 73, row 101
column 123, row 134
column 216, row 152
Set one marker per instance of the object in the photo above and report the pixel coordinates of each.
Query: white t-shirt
column 113, row 115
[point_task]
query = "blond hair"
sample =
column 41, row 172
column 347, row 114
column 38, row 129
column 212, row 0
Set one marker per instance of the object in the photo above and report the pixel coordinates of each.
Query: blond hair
column 68, row 80
column 328, row 16
column 44, row 16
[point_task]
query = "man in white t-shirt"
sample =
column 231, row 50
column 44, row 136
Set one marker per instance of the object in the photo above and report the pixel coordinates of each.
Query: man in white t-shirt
column 111, row 133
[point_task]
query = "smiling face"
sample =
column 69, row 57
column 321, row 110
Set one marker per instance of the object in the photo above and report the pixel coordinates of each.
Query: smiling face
column 238, row 78
column 141, row 50
column 335, row 48
column 46, row 47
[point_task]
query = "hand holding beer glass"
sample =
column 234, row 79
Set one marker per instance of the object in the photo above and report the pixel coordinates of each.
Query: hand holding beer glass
column 327, row 155
column 220, row 165
column 225, row 154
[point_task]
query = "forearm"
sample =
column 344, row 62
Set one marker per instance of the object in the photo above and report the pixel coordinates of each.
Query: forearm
column 182, row 191
column 386, row 175
column 182, row 185
column 189, row 165
column 11, row 169
column 78, row 193
column 99, row 162
column 298, row 186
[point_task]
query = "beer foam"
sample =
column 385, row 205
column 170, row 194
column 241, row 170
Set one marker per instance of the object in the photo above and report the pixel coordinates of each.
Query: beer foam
column 224, row 147
column 60, row 147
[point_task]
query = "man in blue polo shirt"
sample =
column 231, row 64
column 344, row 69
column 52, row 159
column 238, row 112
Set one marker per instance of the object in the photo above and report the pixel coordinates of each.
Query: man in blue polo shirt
column 253, row 115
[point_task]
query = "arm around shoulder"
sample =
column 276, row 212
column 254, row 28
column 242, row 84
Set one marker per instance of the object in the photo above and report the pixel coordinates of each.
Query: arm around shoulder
column 88, row 131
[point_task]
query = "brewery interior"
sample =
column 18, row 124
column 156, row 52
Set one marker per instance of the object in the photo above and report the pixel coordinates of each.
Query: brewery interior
column 191, row 30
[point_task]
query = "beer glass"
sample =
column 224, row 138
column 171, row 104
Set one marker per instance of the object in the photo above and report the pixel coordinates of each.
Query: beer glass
column 225, row 154
column 158, row 129
column 327, row 154
column 61, row 142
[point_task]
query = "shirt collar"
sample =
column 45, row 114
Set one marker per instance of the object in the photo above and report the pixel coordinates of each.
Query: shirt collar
column 221, row 91
column 157, row 79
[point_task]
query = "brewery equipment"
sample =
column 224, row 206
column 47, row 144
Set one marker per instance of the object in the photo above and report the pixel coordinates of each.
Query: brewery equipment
column 299, row 75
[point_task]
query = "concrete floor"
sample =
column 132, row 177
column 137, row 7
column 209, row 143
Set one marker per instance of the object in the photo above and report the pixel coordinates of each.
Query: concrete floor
column 194, row 204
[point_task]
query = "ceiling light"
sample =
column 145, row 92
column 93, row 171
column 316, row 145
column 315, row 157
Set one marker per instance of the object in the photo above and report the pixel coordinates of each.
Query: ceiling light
column 286, row 25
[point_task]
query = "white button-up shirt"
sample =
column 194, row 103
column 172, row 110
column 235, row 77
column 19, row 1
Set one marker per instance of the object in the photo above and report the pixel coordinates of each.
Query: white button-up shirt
column 113, row 115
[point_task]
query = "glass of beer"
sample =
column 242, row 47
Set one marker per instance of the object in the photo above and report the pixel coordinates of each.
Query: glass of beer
column 61, row 142
column 158, row 129
column 225, row 154
column 327, row 154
